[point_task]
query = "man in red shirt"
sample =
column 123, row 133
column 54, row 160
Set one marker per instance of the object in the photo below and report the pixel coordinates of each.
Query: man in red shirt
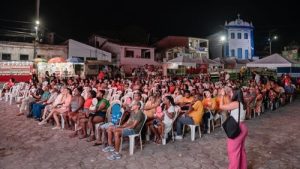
column 101, row 75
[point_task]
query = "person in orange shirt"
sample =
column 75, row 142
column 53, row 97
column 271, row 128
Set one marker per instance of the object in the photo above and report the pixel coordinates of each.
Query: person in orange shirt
column 209, row 105
column 185, row 102
column 192, row 116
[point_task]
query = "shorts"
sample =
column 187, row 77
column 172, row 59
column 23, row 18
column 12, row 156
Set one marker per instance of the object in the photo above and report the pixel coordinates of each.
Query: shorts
column 99, row 113
column 127, row 132
column 106, row 125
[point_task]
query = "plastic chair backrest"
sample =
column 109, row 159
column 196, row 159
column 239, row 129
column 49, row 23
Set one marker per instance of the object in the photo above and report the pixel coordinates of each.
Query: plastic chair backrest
column 145, row 119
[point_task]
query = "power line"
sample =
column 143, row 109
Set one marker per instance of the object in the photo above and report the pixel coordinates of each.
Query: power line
column 15, row 21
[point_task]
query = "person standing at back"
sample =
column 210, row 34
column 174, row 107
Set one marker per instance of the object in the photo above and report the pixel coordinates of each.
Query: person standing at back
column 236, row 147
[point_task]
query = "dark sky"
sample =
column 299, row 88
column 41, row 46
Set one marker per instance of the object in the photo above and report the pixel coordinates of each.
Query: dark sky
column 79, row 19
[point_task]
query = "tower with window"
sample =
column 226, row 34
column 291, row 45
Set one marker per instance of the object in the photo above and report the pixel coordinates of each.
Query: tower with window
column 240, row 39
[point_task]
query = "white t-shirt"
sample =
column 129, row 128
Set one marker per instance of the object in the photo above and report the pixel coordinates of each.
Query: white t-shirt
column 235, row 113
column 167, row 119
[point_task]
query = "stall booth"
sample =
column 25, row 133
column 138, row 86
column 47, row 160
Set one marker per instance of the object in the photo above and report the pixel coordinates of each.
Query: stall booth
column 19, row 70
column 278, row 63
column 57, row 66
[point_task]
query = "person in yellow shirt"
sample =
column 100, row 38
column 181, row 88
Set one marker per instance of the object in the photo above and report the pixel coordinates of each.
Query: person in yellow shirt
column 192, row 116
column 185, row 102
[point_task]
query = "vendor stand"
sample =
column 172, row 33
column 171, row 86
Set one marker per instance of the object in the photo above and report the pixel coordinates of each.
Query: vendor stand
column 19, row 70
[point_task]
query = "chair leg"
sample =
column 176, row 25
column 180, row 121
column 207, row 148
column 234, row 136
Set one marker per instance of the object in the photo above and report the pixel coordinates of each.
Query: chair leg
column 199, row 128
column 131, row 145
column 141, row 142
column 208, row 130
column 62, row 121
column 121, row 144
column 173, row 135
column 148, row 134
column 193, row 128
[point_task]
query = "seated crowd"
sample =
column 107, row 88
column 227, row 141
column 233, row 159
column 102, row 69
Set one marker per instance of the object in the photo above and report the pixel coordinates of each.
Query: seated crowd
column 104, row 111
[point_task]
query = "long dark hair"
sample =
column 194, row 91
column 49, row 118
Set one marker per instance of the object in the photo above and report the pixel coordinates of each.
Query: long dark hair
column 238, row 96
column 171, row 100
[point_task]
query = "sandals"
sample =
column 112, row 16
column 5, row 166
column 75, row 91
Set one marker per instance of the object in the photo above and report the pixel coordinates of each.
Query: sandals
column 83, row 136
column 91, row 138
column 97, row 143
column 73, row 135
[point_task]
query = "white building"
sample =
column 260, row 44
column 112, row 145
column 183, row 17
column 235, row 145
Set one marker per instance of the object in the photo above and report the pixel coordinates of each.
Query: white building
column 25, row 51
column 169, row 47
column 15, row 51
column 85, row 52
column 239, row 41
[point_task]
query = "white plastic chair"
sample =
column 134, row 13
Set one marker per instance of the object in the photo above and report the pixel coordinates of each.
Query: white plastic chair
column 193, row 130
column 14, row 93
column 62, row 121
column 210, row 122
column 115, row 97
column 132, row 138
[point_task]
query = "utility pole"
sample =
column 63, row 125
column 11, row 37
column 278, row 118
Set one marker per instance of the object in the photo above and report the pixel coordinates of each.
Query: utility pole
column 37, row 23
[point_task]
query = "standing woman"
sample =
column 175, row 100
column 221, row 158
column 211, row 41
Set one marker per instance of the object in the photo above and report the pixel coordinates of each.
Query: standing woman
column 236, row 147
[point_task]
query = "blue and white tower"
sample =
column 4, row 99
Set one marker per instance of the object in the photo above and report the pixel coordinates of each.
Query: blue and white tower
column 240, row 39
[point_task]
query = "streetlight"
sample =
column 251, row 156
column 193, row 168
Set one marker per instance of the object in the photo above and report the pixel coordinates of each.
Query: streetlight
column 270, row 42
column 222, row 39
column 36, row 38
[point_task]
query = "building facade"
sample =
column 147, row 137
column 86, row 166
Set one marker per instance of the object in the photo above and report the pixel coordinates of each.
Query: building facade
column 15, row 51
column 85, row 52
column 240, row 39
column 128, row 56
column 169, row 47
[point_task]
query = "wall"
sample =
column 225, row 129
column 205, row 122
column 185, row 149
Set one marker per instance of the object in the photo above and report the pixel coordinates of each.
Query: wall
column 18, row 48
column 240, row 43
column 137, row 60
column 77, row 49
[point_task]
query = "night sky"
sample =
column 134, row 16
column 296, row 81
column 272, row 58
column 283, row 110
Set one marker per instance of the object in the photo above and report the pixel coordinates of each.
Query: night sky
column 139, row 20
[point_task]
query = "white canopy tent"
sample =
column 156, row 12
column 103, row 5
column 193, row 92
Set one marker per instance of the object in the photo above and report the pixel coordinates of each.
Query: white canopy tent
column 183, row 61
column 272, row 61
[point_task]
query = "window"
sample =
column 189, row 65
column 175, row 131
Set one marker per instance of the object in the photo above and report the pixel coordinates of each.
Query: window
column 240, row 53
column 41, row 56
column 232, row 35
column 239, row 36
column 246, row 54
column 146, row 54
column 24, row 57
column 129, row 54
column 89, row 58
column 245, row 35
column 232, row 52
column 6, row 56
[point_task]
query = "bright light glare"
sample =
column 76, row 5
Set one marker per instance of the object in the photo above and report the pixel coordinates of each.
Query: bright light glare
column 222, row 38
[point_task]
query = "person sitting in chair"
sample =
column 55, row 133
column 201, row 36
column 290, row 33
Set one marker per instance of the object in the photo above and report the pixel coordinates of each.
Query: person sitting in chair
column 131, row 127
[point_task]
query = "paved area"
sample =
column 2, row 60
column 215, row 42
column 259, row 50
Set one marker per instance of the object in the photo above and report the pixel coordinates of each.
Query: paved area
column 273, row 143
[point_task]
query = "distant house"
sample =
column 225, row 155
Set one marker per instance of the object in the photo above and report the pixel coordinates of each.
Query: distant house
column 238, row 40
column 86, row 52
column 16, row 51
column 126, row 55
column 169, row 47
